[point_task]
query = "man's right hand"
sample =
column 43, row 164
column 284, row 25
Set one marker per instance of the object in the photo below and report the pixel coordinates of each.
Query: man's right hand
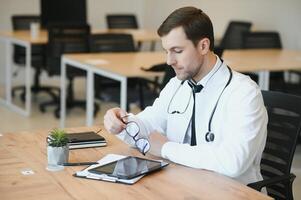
column 113, row 121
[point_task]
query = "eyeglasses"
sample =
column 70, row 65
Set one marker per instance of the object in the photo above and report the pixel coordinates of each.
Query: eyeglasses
column 142, row 144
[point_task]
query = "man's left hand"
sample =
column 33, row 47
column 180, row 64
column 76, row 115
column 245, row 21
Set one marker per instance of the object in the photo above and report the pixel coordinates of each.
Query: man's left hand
column 157, row 140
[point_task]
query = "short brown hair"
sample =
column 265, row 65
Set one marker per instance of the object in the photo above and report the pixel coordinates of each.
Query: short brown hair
column 196, row 24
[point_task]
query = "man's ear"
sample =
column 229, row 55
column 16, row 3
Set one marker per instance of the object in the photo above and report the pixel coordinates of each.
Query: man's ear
column 203, row 46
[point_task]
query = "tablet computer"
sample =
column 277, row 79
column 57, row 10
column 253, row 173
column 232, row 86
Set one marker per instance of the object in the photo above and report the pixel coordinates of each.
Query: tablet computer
column 129, row 167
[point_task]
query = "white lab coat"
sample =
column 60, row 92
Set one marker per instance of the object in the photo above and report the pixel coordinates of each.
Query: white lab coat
column 239, row 124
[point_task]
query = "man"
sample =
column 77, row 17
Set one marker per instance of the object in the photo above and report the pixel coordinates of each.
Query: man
column 208, row 116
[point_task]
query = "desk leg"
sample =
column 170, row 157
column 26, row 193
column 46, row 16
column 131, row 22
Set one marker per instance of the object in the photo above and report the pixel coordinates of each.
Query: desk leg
column 264, row 80
column 123, row 93
column 27, row 80
column 27, row 110
column 63, row 93
column 8, row 81
column 90, row 98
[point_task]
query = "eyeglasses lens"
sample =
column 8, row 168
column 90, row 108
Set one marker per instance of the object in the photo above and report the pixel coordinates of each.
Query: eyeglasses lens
column 143, row 145
column 132, row 129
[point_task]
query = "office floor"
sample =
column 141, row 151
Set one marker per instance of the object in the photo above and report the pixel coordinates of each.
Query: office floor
column 13, row 122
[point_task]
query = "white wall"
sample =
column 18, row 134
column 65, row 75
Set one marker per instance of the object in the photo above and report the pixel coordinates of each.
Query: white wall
column 279, row 15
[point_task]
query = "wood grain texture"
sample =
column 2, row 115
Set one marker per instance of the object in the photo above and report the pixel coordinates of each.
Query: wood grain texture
column 27, row 150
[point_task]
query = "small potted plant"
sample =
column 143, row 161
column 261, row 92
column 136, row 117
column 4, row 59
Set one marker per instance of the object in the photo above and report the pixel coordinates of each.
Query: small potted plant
column 57, row 149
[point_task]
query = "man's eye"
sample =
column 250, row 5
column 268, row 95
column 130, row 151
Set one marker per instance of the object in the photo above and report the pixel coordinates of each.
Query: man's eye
column 178, row 50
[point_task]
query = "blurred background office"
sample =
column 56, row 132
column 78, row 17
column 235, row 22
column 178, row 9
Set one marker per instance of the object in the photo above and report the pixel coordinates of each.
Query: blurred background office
column 277, row 16
column 269, row 15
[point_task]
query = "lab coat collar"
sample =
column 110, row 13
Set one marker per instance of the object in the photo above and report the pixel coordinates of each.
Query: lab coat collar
column 206, row 78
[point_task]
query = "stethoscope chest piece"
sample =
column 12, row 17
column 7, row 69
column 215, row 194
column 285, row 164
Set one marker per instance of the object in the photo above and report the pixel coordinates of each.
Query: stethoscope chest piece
column 209, row 137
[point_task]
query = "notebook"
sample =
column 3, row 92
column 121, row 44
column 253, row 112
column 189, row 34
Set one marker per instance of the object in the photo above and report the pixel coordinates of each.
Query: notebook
column 85, row 140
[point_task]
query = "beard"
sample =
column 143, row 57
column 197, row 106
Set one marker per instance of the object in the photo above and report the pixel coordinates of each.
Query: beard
column 187, row 75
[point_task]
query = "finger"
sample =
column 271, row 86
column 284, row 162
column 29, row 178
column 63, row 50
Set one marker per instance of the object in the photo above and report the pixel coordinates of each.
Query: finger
column 123, row 116
column 112, row 123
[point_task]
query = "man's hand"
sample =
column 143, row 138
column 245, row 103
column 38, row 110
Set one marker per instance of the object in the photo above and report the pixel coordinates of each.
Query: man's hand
column 157, row 140
column 113, row 121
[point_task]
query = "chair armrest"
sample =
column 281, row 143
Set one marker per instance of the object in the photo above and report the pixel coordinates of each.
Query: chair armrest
column 272, row 181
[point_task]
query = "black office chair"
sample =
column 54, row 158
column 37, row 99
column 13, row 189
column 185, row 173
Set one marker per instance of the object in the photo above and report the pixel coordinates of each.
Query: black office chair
column 232, row 38
column 121, row 21
column 284, row 127
column 261, row 40
column 150, row 95
column 22, row 22
column 265, row 40
column 66, row 38
column 111, row 42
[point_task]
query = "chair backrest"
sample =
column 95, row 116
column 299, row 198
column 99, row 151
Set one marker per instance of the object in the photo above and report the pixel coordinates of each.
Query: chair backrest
column 169, row 73
column 122, row 21
column 22, row 22
column 261, row 40
column 65, row 38
column 232, row 38
column 111, row 42
column 284, row 127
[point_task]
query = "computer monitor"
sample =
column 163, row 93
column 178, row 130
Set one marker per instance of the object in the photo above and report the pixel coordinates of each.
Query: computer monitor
column 63, row 11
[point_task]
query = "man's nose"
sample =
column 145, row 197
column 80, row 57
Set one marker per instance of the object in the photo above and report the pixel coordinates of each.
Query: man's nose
column 170, row 59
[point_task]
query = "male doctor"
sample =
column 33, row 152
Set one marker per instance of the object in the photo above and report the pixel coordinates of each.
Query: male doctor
column 208, row 116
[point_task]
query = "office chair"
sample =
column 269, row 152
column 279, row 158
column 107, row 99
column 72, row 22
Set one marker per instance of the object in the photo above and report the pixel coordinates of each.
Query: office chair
column 232, row 38
column 261, row 40
column 151, row 95
column 22, row 22
column 265, row 40
column 121, row 21
column 111, row 42
column 66, row 38
column 284, row 127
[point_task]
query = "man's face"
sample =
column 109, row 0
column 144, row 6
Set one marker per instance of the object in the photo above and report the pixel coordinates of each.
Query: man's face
column 184, row 57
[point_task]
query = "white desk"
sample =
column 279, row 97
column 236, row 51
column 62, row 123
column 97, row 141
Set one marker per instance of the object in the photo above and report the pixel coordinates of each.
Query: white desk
column 124, row 65
column 117, row 66
column 263, row 61
column 26, row 42
column 24, row 39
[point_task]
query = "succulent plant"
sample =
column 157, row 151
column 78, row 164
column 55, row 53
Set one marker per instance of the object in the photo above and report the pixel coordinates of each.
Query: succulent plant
column 57, row 138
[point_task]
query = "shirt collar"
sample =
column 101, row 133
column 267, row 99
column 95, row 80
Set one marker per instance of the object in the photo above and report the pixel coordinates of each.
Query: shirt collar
column 207, row 78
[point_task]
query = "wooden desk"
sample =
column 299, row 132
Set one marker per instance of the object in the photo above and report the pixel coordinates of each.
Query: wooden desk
column 139, row 35
column 117, row 66
column 23, row 38
column 27, row 150
column 263, row 61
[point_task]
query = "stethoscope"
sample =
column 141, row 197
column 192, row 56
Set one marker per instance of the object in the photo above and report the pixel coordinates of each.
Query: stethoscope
column 209, row 136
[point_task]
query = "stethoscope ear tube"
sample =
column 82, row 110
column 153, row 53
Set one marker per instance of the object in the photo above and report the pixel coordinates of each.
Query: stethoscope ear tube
column 209, row 137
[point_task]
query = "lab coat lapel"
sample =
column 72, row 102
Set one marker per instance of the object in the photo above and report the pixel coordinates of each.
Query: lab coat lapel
column 178, row 123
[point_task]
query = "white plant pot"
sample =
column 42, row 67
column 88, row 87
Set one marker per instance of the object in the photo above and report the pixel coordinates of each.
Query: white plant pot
column 57, row 156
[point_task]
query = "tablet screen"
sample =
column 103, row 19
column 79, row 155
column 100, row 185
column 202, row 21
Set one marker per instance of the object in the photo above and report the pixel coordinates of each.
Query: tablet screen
column 129, row 167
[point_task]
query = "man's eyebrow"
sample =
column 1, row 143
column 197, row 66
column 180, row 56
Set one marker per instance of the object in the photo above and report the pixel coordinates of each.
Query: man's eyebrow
column 173, row 48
